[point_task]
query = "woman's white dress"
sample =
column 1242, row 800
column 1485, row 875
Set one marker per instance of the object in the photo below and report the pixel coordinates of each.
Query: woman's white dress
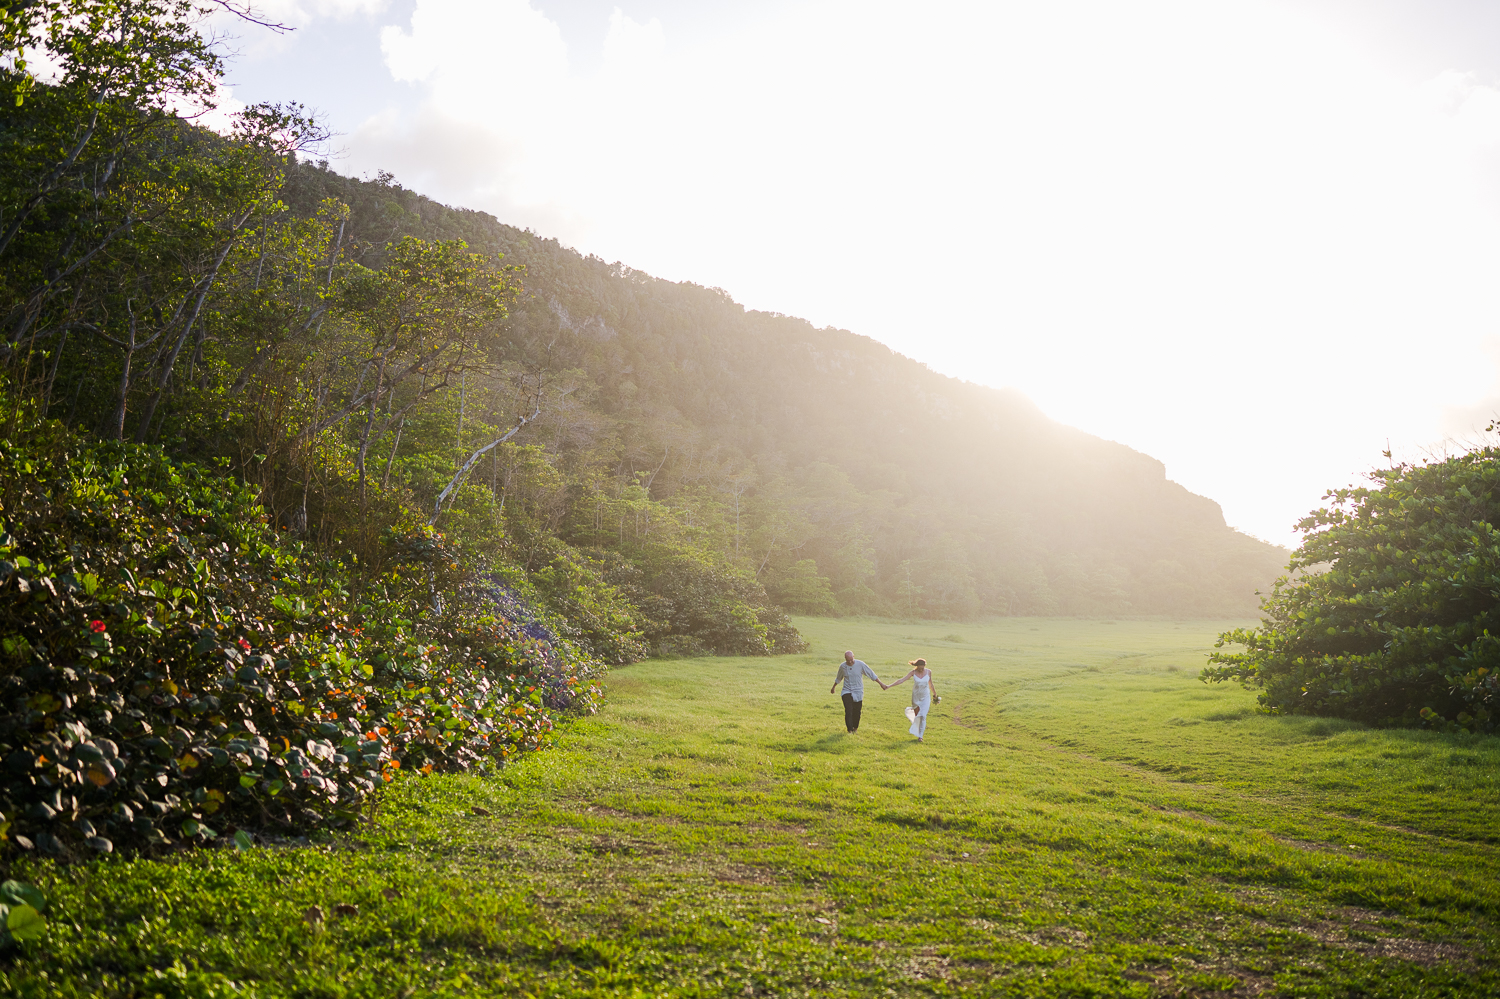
column 921, row 699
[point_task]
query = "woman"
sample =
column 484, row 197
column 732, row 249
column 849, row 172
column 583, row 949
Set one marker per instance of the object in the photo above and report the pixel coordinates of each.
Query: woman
column 922, row 696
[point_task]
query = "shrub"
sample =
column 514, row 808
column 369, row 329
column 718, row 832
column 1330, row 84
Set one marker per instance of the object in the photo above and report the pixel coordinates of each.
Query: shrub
column 1393, row 612
column 170, row 670
column 589, row 610
column 683, row 593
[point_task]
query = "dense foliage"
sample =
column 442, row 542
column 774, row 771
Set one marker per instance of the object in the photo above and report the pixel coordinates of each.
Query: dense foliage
column 173, row 670
column 1392, row 614
column 685, row 466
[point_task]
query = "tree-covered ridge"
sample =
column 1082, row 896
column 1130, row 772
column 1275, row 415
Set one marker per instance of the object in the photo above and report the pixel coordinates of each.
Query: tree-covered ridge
column 846, row 477
column 305, row 480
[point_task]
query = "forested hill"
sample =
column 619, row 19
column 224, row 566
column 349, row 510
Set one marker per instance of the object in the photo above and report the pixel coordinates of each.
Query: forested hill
column 845, row 477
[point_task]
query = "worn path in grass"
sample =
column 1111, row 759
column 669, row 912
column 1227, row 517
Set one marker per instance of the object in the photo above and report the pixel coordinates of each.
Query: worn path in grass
column 1085, row 819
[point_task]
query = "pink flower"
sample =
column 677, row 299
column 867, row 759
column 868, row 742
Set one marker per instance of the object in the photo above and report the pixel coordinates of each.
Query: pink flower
column 96, row 626
column 243, row 644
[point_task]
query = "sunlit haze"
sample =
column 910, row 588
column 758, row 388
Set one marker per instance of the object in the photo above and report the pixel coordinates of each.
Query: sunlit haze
column 1254, row 240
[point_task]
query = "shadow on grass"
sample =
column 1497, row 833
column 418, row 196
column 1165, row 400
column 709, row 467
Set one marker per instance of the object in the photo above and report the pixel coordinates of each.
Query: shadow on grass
column 834, row 743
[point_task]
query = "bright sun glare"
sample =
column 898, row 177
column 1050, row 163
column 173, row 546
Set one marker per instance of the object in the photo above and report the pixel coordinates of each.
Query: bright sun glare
column 1223, row 234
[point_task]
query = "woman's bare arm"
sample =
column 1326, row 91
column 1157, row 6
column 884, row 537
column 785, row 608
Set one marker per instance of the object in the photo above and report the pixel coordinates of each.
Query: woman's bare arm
column 902, row 680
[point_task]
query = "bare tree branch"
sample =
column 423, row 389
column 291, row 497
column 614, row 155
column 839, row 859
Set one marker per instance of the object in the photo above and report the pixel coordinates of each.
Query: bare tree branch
column 474, row 460
column 247, row 13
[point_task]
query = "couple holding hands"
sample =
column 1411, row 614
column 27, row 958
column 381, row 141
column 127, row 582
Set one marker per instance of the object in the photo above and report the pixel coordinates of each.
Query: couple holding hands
column 853, row 672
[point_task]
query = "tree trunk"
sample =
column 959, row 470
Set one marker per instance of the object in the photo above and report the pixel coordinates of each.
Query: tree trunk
column 205, row 286
column 386, row 481
column 116, row 429
column 453, row 483
column 52, row 378
column 48, row 185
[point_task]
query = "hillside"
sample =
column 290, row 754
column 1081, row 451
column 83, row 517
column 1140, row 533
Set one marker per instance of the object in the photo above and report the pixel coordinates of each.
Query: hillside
column 862, row 480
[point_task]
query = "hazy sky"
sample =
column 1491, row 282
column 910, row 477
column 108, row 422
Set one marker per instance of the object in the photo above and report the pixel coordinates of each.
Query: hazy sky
column 1255, row 240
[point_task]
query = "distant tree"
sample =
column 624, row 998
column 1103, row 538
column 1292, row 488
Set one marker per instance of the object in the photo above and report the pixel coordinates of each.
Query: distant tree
column 1392, row 613
column 801, row 590
column 908, row 590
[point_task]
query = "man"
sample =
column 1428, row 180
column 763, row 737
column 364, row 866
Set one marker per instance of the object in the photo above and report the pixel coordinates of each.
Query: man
column 853, row 672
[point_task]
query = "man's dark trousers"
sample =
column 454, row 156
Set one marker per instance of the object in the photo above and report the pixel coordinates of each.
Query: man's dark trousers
column 851, row 712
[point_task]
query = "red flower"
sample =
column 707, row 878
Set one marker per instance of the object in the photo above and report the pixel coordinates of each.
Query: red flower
column 96, row 626
column 244, row 644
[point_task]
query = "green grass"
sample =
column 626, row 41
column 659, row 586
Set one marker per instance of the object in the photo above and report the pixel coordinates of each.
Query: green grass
column 1086, row 818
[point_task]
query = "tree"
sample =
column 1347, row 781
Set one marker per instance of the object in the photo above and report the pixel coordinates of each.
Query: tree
column 117, row 215
column 123, row 68
column 404, row 332
column 1391, row 613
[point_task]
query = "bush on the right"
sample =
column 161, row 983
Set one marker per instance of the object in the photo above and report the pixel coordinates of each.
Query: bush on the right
column 1390, row 613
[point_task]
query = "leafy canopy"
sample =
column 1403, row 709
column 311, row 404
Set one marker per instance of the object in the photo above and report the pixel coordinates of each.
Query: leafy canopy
column 1392, row 613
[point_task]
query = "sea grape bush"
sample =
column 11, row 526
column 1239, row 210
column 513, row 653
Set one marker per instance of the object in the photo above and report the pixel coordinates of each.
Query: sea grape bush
column 1392, row 615
column 171, row 671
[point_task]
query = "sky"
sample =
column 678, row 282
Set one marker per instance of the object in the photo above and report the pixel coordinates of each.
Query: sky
column 1259, row 241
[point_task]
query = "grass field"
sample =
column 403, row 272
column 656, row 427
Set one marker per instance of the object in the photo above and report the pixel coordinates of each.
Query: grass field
column 1086, row 818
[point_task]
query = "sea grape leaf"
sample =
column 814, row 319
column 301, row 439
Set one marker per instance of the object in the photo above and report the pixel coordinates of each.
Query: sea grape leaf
column 25, row 923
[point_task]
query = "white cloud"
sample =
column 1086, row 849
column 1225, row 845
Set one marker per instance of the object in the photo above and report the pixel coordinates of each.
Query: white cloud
column 1219, row 233
column 471, row 50
column 219, row 116
column 632, row 48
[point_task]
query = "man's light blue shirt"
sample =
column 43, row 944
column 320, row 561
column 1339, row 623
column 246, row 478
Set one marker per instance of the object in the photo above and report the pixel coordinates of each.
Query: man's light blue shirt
column 853, row 675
